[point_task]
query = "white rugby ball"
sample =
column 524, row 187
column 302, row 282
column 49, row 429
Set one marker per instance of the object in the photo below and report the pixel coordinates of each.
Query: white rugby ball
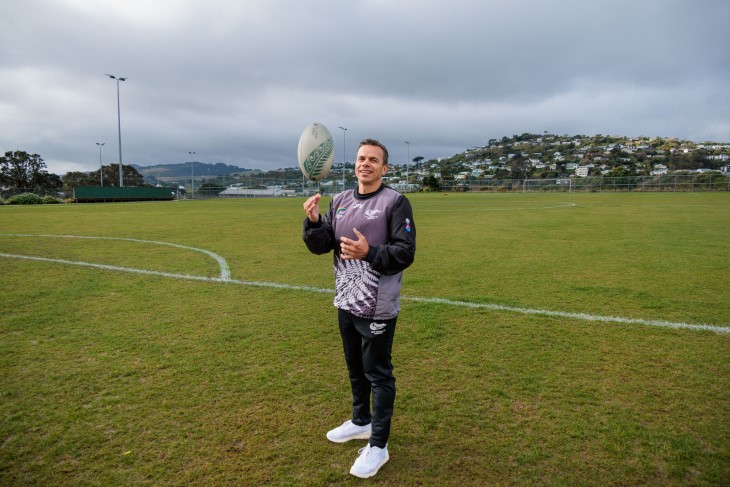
column 316, row 152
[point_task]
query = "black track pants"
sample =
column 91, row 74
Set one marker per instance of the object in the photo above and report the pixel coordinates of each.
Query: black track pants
column 367, row 344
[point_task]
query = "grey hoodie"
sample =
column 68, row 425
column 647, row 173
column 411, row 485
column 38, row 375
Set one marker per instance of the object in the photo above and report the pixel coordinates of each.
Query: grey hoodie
column 368, row 288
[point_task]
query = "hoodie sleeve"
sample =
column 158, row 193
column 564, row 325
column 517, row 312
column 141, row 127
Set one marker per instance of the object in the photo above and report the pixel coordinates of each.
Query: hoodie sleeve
column 400, row 251
column 319, row 237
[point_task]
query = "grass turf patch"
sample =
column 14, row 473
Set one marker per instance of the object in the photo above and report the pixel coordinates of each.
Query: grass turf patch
column 114, row 378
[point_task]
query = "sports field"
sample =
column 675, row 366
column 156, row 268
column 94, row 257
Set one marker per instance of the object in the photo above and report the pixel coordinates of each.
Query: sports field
column 545, row 339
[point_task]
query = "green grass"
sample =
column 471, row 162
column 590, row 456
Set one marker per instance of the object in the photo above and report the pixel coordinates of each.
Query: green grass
column 112, row 378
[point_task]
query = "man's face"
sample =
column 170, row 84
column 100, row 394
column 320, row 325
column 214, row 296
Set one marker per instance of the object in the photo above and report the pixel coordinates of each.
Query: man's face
column 369, row 167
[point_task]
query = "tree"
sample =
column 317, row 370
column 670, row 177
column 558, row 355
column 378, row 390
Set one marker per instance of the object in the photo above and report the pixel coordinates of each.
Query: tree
column 698, row 158
column 51, row 181
column 210, row 188
column 111, row 177
column 74, row 179
column 130, row 175
column 20, row 170
column 417, row 160
column 520, row 167
column 619, row 172
column 432, row 183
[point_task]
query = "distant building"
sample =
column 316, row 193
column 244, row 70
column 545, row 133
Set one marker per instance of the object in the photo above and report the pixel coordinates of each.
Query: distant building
column 267, row 192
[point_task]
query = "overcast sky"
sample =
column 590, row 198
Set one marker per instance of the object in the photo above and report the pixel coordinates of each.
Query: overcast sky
column 236, row 81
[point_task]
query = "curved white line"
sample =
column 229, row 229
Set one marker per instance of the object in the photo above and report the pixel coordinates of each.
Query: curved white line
column 463, row 304
column 222, row 264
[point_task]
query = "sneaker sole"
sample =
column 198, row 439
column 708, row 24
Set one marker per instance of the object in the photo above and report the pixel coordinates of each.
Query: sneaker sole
column 359, row 436
column 387, row 457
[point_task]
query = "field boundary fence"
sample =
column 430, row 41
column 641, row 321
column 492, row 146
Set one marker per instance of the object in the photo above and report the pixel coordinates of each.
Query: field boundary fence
column 668, row 183
column 278, row 188
column 258, row 188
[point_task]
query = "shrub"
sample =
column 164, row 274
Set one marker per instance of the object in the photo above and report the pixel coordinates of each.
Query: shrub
column 25, row 199
column 51, row 200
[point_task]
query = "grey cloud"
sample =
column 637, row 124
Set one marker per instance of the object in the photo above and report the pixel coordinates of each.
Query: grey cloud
column 237, row 81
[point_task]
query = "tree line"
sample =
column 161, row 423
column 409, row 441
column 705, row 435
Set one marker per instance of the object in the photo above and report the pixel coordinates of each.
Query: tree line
column 21, row 171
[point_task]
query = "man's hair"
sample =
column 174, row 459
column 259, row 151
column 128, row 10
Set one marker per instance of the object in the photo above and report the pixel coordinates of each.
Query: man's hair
column 376, row 144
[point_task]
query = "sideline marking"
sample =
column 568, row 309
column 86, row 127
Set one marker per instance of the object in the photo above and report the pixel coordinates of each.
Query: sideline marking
column 577, row 316
column 225, row 279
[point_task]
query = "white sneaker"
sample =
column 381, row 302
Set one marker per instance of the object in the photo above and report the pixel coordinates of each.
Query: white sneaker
column 349, row 431
column 369, row 462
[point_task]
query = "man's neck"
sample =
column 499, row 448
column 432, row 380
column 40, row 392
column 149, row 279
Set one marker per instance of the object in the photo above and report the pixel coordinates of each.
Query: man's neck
column 369, row 188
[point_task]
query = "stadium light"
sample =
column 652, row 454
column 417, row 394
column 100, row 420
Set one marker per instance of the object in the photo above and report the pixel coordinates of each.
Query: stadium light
column 192, row 176
column 119, row 127
column 344, row 143
column 101, row 166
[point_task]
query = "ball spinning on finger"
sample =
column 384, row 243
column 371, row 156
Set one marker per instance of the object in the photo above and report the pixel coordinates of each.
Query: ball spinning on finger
column 316, row 152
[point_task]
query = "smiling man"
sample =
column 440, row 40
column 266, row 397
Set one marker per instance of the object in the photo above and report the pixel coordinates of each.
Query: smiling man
column 372, row 233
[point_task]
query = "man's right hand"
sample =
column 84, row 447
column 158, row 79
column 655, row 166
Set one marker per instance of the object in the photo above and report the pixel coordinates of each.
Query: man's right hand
column 311, row 208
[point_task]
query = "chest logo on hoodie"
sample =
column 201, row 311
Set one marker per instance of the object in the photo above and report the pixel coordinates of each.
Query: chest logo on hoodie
column 371, row 214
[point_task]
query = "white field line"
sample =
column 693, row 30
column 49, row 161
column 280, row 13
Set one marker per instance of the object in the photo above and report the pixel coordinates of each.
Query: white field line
column 188, row 277
column 575, row 316
column 448, row 302
column 222, row 264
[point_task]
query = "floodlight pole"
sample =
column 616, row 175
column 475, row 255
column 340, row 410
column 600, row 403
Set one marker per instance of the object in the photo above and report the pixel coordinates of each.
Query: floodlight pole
column 408, row 159
column 192, row 175
column 344, row 143
column 119, row 127
column 101, row 166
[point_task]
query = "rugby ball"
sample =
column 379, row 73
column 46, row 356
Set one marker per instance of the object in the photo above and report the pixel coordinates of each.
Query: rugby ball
column 316, row 152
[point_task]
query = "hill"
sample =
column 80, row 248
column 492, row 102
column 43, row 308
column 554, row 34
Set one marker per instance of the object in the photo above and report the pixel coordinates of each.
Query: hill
column 550, row 156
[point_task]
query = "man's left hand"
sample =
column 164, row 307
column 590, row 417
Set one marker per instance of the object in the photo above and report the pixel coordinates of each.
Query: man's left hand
column 354, row 249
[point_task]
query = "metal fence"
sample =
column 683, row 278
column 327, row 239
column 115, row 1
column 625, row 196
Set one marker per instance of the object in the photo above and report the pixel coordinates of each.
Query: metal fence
column 279, row 188
column 666, row 182
column 258, row 188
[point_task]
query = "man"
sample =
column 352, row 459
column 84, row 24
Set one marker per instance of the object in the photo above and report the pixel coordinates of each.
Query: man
column 372, row 233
